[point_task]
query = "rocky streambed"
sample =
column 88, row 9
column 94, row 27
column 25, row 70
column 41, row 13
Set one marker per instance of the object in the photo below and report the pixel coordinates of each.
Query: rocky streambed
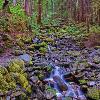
column 59, row 69
column 75, row 70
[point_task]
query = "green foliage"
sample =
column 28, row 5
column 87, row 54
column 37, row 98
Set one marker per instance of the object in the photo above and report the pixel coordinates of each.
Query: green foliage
column 1, row 3
column 18, row 12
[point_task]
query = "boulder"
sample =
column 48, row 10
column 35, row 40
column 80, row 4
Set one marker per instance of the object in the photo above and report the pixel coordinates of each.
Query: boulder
column 25, row 57
column 34, row 79
column 49, row 95
column 61, row 85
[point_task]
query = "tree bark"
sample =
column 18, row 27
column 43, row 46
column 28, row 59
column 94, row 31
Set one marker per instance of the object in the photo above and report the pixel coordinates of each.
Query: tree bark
column 39, row 16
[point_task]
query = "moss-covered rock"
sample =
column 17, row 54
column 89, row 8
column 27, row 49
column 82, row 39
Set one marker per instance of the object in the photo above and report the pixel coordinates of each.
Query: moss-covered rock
column 82, row 81
column 22, row 80
column 96, row 59
column 3, row 70
column 12, row 75
column 6, row 37
column 27, row 40
column 37, row 46
column 20, row 44
column 93, row 93
column 18, row 62
column 1, row 50
column 49, row 89
column 49, row 40
column 43, row 44
column 13, row 67
column 17, row 52
column 74, row 53
column 43, row 50
column 31, row 47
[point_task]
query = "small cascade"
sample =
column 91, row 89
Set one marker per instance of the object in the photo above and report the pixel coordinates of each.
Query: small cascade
column 63, row 88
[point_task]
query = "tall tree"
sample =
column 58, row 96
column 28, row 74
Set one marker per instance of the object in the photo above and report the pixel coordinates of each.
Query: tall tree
column 28, row 7
column 39, row 16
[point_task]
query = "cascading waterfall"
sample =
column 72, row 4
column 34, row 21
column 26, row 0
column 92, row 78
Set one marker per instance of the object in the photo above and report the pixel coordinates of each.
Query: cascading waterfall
column 63, row 88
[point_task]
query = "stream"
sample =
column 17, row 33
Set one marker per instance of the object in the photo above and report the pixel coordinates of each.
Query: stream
column 63, row 88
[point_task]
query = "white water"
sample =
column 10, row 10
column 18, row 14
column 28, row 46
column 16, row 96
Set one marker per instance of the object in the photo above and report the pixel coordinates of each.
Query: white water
column 71, row 92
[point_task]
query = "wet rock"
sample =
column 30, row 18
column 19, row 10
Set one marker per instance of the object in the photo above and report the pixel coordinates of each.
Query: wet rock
column 40, row 95
column 74, row 53
column 40, row 64
column 84, row 88
column 31, row 74
column 34, row 79
column 29, row 69
column 70, row 78
column 62, row 86
column 64, row 64
column 96, row 59
column 1, row 50
column 82, row 65
column 98, row 76
column 91, row 83
column 17, row 52
column 35, row 40
column 68, row 98
column 25, row 57
column 59, row 96
column 6, row 37
column 49, row 95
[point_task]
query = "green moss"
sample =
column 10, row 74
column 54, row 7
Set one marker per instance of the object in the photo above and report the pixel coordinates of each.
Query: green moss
column 13, row 67
column 12, row 75
column 43, row 50
column 27, row 40
column 49, row 40
column 1, row 50
column 49, row 69
column 16, row 66
column 20, row 44
column 41, row 76
column 49, row 89
column 19, row 62
column 93, row 93
column 3, row 70
column 82, row 81
column 22, row 80
column 31, row 47
column 43, row 44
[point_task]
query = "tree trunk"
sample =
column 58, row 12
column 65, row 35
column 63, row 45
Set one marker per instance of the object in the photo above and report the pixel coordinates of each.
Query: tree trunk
column 99, row 17
column 28, row 7
column 39, row 16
